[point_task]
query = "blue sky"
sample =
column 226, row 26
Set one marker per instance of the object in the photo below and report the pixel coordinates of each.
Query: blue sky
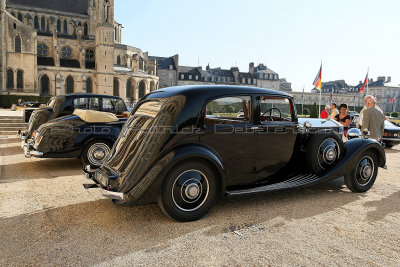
column 291, row 37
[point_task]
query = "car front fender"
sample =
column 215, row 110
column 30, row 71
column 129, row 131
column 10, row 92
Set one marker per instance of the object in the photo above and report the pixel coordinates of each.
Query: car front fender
column 353, row 149
column 148, row 188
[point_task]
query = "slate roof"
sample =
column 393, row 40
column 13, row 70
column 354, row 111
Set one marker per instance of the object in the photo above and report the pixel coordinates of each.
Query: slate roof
column 218, row 72
column 70, row 6
column 334, row 85
column 163, row 63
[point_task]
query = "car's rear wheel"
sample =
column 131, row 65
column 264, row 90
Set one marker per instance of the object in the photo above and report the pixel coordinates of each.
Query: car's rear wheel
column 188, row 191
column 323, row 151
column 363, row 177
column 96, row 152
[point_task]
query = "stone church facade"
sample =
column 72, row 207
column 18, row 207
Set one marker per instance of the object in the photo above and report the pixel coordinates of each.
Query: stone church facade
column 54, row 47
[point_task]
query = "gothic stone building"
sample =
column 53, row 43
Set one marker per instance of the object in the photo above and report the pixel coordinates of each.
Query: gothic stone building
column 53, row 47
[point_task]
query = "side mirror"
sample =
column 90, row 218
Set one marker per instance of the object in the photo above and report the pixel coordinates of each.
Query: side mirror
column 366, row 133
column 353, row 133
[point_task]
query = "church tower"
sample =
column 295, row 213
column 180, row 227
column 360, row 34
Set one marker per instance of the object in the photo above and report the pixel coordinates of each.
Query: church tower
column 104, row 14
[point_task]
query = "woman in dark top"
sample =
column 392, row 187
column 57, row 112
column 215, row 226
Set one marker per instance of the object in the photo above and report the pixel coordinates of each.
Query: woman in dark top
column 343, row 118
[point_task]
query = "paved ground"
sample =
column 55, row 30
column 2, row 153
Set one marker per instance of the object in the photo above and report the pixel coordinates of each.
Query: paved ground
column 48, row 219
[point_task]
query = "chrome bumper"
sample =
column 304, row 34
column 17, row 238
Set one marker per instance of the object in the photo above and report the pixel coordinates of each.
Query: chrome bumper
column 29, row 151
column 89, row 174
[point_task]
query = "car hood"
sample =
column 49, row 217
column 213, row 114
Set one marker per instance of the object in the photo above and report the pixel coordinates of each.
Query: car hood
column 320, row 123
column 141, row 140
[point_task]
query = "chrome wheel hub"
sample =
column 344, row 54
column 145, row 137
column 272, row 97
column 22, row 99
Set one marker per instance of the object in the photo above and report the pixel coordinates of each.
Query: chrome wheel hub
column 329, row 152
column 190, row 190
column 365, row 171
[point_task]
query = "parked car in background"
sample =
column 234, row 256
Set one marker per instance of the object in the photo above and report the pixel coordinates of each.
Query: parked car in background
column 185, row 146
column 391, row 135
column 87, row 134
column 63, row 105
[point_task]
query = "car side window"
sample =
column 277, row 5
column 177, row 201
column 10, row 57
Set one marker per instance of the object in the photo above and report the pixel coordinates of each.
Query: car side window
column 275, row 109
column 81, row 103
column 94, row 104
column 113, row 105
column 228, row 110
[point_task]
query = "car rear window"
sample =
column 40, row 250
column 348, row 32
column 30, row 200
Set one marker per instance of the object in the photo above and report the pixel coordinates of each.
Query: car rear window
column 114, row 105
column 150, row 108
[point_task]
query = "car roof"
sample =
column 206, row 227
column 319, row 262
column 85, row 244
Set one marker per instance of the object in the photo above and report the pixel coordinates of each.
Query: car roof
column 213, row 90
column 88, row 94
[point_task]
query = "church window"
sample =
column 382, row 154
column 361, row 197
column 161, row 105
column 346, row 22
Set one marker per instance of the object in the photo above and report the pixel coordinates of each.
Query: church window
column 65, row 27
column 43, row 24
column 66, row 52
column 36, row 23
column 20, row 79
column 85, row 29
column 20, row 17
column 69, row 85
column 17, row 44
column 42, row 50
column 89, row 55
column 118, row 60
column 58, row 26
column 10, row 79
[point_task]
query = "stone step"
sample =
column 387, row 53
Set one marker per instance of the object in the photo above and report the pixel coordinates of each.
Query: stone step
column 9, row 129
column 13, row 124
column 6, row 133
column 12, row 120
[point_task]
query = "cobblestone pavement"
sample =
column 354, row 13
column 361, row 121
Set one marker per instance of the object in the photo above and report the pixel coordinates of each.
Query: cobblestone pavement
column 48, row 219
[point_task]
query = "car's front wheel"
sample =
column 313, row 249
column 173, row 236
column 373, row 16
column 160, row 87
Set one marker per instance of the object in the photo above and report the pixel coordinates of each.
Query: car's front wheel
column 188, row 191
column 363, row 176
column 95, row 153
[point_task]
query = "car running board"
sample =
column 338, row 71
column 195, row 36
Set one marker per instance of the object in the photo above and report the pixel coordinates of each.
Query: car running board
column 297, row 181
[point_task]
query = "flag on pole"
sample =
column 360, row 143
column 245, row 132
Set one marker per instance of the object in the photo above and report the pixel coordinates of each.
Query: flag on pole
column 317, row 82
column 392, row 100
column 364, row 84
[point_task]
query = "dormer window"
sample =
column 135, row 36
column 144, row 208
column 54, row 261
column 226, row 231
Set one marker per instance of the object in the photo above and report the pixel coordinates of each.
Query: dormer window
column 197, row 77
column 182, row 76
column 171, row 67
column 190, row 77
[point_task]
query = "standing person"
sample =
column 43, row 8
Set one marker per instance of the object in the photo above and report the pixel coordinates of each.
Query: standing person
column 360, row 118
column 373, row 121
column 334, row 111
column 324, row 114
column 343, row 118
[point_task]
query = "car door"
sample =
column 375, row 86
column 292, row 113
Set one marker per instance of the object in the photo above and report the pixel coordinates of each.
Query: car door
column 228, row 132
column 276, row 134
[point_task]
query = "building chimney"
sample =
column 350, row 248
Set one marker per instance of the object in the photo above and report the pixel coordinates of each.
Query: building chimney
column 389, row 79
column 208, row 66
column 251, row 67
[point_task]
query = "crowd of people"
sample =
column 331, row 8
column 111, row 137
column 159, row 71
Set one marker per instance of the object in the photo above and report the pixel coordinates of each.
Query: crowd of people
column 370, row 121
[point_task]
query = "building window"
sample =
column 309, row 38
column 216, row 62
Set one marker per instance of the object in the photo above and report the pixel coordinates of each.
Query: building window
column 69, row 85
column 254, row 81
column 17, row 44
column 44, row 85
column 89, row 55
column 66, row 52
column 171, row 67
column 65, row 27
column 182, row 76
column 116, row 87
column 43, row 24
column 42, row 50
column 118, row 60
column 85, row 29
column 10, row 79
column 20, row 17
column 243, row 80
column 89, row 85
column 36, row 23
column 58, row 26
column 171, row 76
column 20, row 79
column 171, row 83
column 249, row 81
column 190, row 77
column 197, row 77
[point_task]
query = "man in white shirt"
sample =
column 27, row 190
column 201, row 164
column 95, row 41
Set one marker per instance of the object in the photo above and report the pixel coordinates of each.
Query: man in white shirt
column 360, row 118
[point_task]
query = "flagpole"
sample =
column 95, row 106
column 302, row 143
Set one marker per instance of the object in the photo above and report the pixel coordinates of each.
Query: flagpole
column 320, row 95
column 302, row 100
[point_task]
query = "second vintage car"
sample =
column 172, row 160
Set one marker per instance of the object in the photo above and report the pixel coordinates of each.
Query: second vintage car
column 87, row 134
column 186, row 146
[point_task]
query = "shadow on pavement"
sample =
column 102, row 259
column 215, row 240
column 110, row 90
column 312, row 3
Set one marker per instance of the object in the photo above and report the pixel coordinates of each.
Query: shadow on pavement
column 94, row 232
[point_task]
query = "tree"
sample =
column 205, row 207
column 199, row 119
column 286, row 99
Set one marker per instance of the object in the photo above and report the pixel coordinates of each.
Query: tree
column 395, row 114
column 314, row 111
column 306, row 112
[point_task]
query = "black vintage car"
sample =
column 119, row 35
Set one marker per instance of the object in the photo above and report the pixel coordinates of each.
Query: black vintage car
column 185, row 146
column 391, row 135
column 87, row 134
column 63, row 105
